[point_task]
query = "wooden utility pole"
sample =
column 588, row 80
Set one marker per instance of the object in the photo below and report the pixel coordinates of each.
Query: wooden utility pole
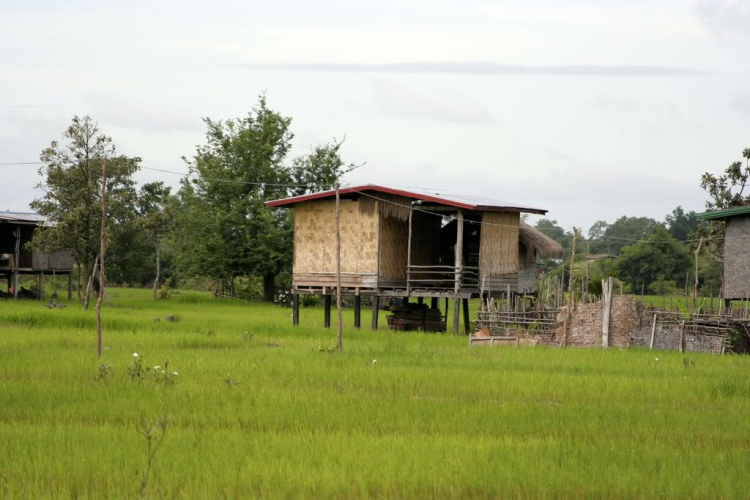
column 339, row 326
column 571, row 290
column 101, row 261
column 695, row 286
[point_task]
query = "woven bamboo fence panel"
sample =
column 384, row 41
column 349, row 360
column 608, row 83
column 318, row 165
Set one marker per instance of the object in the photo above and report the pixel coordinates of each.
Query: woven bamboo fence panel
column 394, row 241
column 315, row 238
column 498, row 250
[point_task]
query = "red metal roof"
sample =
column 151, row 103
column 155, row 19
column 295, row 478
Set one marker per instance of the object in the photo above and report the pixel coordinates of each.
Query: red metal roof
column 466, row 202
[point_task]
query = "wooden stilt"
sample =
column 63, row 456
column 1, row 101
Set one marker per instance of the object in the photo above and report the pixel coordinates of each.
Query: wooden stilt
column 456, row 314
column 467, row 323
column 447, row 309
column 327, row 311
column 42, row 284
column 357, row 311
column 375, row 311
column 420, row 300
column 434, row 303
column 295, row 309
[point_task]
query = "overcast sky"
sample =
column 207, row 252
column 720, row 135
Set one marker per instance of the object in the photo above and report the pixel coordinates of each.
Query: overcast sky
column 590, row 109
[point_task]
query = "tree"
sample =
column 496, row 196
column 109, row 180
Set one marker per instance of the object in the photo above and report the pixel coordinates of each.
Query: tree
column 557, row 233
column 681, row 224
column 319, row 169
column 626, row 231
column 659, row 257
column 155, row 218
column 72, row 187
column 726, row 191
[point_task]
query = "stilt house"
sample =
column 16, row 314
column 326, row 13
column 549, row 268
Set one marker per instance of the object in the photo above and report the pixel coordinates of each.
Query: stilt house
column 736, row 250
column 414, row 243
column 16, row 230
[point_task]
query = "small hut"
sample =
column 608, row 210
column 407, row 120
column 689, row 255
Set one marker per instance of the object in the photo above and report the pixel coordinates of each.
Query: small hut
column 413, row 243
column 16, row 230
column 736, row 250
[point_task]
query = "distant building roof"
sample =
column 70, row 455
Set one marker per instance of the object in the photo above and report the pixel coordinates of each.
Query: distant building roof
column 23, row 217
column 724, row 214
column 464, row 201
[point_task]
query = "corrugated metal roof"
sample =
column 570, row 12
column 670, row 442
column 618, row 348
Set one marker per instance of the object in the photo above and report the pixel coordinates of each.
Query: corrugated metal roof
column 465, row 201
column 23, row 217
column 723, row 214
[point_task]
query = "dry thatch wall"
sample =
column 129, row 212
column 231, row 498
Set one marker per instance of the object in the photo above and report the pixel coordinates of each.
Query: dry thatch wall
column 315, row 238
column 394, row 242
column 498, row 250
column 737, row 258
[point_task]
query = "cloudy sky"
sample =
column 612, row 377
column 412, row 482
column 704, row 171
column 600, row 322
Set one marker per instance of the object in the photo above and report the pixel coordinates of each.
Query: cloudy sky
column 590, row 109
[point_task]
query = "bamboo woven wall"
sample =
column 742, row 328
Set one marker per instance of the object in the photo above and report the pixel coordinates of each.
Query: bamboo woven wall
column 498, row 249
column 315, row 238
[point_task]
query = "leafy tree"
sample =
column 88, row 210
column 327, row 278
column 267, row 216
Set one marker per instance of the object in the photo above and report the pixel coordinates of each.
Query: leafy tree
column 681, row 224
column 71, row 185
column 232, row 233
column 623, row 232
column 659, row 257
column 726, row 191
column 319, row 169
column 557, row 233
column 155, row 218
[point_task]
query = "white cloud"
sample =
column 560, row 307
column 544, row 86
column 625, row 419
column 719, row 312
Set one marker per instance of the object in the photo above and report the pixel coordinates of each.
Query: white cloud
column 144, row 115
column 398, row 99
column 727, row 18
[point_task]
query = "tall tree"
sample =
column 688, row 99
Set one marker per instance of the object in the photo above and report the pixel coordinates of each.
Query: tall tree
column 680, row 223
column 72, row 190
column 659, row 257
column 319, row 169
column 240, row 166
column 726, row 191
column 156, row 219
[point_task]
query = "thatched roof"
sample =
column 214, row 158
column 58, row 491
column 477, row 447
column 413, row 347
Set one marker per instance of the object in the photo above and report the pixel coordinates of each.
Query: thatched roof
column 543, row 245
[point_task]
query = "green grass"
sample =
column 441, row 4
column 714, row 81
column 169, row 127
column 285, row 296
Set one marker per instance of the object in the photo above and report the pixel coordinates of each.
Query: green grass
column 430, row 418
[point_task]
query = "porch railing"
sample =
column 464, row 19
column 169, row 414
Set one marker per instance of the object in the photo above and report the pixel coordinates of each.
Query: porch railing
column 442, row 278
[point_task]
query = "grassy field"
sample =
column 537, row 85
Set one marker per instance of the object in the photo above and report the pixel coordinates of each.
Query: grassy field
column 260, row 409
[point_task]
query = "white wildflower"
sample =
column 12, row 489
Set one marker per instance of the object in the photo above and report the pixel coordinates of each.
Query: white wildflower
column 157, row 367
column 374, row 361
column 175, row 373
column 163, row 371
column 656, row 359
column 135, row 354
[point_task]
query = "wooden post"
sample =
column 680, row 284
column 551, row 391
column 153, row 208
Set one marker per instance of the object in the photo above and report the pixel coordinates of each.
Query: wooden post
column 42, row 284
column 16, row 261
column 695, row 285
column 408, row 255
column 447, row 308
column 434, row 303
column 357, row 311
column 607, row 286
column 327, row 311
column 375, row 311
column 70, row 286
column 682, row 336
column 420, row 300
column 456, row 314
column 295, row 309
column 90, row 284
column 571, row 290
column 653, row 333
column 38, row 286
column 467, row 323
column 339, row 319
column 102, row 248
column 459, row 253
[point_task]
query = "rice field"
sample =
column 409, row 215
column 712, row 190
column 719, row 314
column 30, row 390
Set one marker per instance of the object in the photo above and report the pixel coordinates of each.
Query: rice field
column 260, row 409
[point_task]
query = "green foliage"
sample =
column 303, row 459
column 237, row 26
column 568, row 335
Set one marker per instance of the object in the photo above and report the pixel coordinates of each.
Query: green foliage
column 611, row 238
column 72, row 188
column 663, row 287
column 660, row 257
column 681, row 224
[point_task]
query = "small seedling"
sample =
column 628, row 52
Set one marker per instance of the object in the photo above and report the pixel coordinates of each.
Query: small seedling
column 103, row 372
column 231, row 382
column 154, row 437
column 136, row 371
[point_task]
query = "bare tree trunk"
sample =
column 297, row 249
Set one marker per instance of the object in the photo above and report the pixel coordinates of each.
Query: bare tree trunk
column 102, row 248
column 695, row 286
column 158, row 269
column 339, row 321
column 90, row 284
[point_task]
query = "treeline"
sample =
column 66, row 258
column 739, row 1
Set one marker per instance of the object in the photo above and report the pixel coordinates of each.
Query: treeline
column 214, row 232
column 648, row 256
